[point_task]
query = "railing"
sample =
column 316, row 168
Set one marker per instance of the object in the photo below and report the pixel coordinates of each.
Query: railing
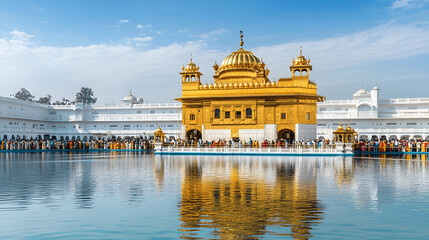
column 248, row 150
column 136, row 117
column 406, row 100
column 327, row 102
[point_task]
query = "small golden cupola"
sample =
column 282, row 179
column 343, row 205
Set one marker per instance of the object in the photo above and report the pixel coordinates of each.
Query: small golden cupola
column 241, row 66
column 191, row 73
column 301, row 66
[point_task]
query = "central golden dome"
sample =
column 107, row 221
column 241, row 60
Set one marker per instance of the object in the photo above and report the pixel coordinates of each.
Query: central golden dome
column 240, row 59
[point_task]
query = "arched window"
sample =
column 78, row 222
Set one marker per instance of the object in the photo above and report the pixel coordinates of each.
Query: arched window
column 297, row 73
column 217, row 113
column 248, row 113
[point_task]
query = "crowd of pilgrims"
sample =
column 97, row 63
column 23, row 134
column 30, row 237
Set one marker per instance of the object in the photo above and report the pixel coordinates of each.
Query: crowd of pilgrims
column 134, row 144
column 140, row 144
column 363, row 146
column 412, row 145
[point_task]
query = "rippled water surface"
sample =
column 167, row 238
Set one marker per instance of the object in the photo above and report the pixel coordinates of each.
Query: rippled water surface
column 143, row 196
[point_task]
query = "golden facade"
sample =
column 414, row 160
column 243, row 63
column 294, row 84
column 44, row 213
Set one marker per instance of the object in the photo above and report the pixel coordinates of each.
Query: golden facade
column 232, row 205
column 243, row 103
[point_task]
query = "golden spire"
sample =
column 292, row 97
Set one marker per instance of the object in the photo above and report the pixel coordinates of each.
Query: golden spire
column 300, row 50
column 241, row 36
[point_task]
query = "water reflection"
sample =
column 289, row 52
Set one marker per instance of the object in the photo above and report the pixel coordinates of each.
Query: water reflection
column 248, row 198
column 234, row 197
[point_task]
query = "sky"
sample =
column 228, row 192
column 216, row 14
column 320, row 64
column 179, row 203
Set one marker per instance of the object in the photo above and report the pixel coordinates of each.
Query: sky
column 57, row 47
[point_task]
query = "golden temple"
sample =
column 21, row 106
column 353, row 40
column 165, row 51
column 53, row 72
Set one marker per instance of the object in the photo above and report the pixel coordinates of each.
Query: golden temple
column 243, row 103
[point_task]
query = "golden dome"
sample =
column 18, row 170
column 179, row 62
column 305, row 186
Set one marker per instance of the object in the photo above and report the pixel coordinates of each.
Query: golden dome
column 191, row 67
column 241, row 59
column 300, row 60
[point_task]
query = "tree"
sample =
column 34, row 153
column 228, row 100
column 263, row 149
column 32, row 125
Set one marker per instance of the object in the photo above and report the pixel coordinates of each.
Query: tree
column 24, row 94
column 45, row 100
column 85, row 96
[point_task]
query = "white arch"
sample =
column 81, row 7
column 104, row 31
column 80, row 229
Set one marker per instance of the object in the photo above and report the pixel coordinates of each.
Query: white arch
column 365, row 104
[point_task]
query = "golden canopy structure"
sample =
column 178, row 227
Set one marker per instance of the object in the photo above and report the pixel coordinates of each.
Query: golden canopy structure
column 344, row 135
column 242, row 102
column 159, row 135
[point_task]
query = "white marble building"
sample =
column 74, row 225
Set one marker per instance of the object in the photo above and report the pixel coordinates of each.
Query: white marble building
column 370, row 116
column 375, row 118
column 133, row 118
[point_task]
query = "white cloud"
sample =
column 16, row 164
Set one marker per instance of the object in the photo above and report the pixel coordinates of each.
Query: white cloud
column 407, row 4
column 142, row 39
column 182, row 30
column 147, row 26
column 386, row 42
column 20, row 35
column 211, row 34
column 123, row 21
column 111, row 70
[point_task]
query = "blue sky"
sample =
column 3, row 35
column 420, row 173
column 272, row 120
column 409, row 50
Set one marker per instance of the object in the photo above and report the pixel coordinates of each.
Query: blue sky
column 114, row 46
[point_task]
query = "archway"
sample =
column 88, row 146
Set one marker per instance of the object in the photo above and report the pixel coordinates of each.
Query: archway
column 193, row 134
column 405, row 137
column 393, row 137
column 363, row 138
column 374, row 138
column 286, row 134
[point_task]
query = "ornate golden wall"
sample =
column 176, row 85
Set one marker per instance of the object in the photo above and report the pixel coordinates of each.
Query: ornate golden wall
column 241, row 86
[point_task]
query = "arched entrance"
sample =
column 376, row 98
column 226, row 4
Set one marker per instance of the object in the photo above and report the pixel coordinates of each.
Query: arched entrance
column 193, row 134
column 286, row 134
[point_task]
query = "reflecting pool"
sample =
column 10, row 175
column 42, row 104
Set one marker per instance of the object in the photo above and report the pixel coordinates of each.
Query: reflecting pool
column 143, row 196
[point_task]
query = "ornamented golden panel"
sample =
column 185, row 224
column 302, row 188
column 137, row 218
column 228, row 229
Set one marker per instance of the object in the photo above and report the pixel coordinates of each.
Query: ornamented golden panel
column 242, row 96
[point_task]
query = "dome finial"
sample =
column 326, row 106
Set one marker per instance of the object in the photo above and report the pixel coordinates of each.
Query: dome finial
column 241, row 36
column 191, row 57
column 300, row 50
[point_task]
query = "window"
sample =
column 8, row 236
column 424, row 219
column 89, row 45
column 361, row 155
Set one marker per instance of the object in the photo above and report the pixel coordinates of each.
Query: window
column 238, row 114
column 412, row 124
column 227, row 114
column 248, row 113
column 308, row 116
column 217, row 113
column 152, row 112
column 192, row 117
column 169, row 125
column 52, row 113
column 322, row 109
column 112, row 126
column 390, row 124
column 151, row 126
column 283, row 115
column 139, row 112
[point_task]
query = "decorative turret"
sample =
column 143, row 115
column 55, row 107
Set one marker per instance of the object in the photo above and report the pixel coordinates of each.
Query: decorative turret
column 191, row 73
column 216, row 68
column 344, row 135
column 301, row 66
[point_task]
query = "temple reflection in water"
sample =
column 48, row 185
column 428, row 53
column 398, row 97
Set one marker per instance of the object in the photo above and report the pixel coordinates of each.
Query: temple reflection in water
column 206, row 197
column 246, row 199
